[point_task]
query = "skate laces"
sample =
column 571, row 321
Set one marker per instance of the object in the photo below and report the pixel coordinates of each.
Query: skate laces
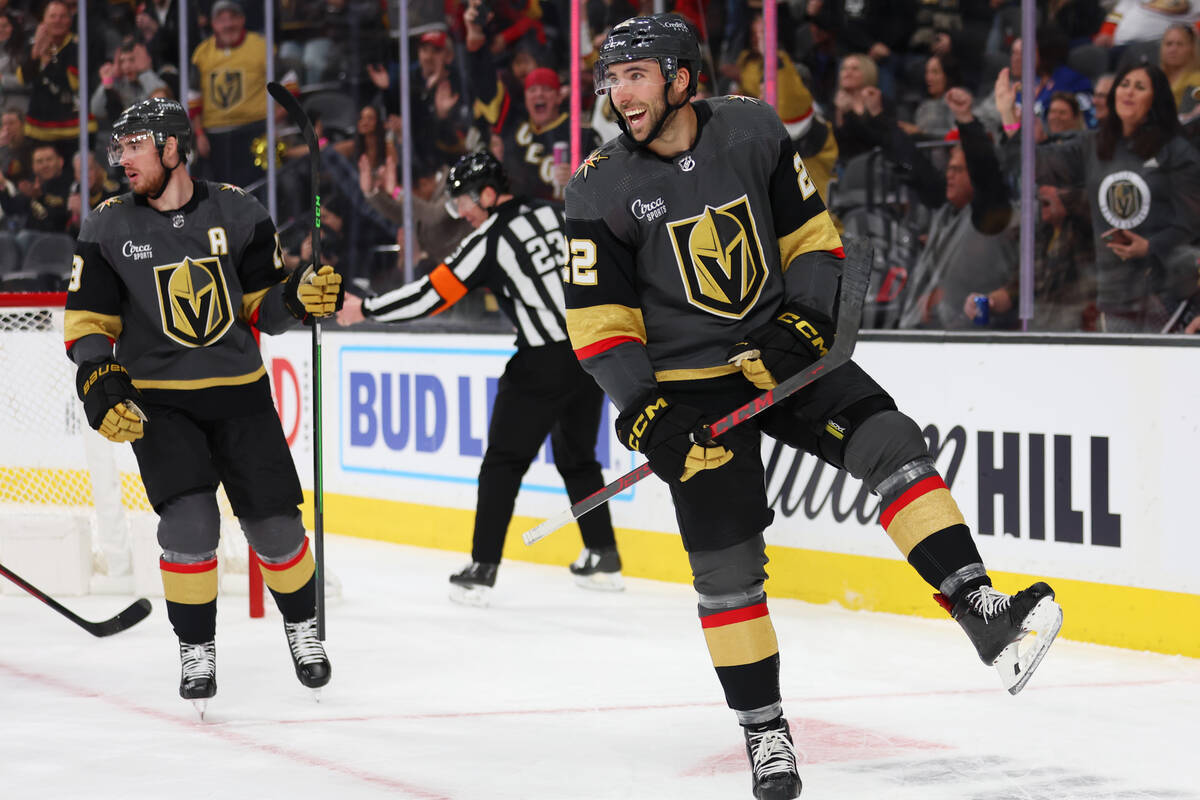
column 771, row 752
column 197, row 660
column 988, row 602
column 302, row 638
column 587, row 559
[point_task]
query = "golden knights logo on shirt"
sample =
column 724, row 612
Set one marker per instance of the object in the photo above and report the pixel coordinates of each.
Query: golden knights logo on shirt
column 720, row 258
column 1124, row 199
column 226, row 88
column 194, row 301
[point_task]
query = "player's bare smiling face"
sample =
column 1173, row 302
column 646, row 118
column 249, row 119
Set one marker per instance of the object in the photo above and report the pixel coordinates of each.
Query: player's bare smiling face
column 638, row 95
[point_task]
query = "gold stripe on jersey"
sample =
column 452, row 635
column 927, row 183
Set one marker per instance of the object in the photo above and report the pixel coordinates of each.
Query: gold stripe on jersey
column 189, row 584
column 251, row 302
column 814, row 235
column 78, row 324
column 746, row 642
column 491, row 111
column 202, row 383
column 699, row 374
column 594, row 324
column 290, row 576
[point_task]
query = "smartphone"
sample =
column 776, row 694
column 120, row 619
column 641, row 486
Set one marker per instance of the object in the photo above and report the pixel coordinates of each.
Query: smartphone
column 1118, row 236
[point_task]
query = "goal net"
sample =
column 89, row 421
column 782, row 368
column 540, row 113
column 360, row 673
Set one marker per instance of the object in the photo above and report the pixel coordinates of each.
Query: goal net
column 75, row 514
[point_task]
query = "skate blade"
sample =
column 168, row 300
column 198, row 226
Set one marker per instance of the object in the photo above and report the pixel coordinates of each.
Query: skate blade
column 475, row 596
column 1018, row 661
column 316, row 695
column 201, row 706
column 601, row 582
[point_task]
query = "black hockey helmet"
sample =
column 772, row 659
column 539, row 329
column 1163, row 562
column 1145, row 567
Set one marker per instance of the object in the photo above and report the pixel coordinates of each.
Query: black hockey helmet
column 157, row 116
column 667, row 38
column 471, row 173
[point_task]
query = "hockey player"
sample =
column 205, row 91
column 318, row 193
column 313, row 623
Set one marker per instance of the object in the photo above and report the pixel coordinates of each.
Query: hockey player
column 517, row 250
column 704, row 268
column 174, row 273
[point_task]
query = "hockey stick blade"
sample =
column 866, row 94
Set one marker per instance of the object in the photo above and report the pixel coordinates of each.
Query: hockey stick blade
column 131, row 616
column 856, row 275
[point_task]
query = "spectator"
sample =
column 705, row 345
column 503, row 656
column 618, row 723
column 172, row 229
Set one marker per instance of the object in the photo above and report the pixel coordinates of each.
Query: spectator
column 100, row 188
column 860, row 122
column 812, row 134
column 437, row 233
column 157, row 24
column 306, row 46
column 1178, row 58
column 231, row 67
column 1133, row 21
column 1063, row 117
column 1053, row 75
column 878, row 28
column 50, row 70
column 123, row 82
column 1142, row 180
column 12, row 52
column 523, row 135
column 370, row 140
column 16, row 151
column 47, row 194
column 933, row 118
column 970, row 247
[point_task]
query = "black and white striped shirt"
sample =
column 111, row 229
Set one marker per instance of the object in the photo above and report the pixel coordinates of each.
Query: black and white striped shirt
column 518, row 254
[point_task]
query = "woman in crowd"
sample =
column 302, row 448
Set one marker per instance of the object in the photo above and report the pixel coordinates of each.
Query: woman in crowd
column 932, row 118
column 1142, row 182
column 859, row 122
column 1178, row 58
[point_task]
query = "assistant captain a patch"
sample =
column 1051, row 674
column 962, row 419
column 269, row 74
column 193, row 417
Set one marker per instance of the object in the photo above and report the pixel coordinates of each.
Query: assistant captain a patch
column 193, row 301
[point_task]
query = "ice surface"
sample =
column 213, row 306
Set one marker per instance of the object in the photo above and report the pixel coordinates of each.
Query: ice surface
column 556, row 692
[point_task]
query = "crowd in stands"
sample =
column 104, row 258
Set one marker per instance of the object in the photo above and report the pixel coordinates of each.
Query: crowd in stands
column 907, row 113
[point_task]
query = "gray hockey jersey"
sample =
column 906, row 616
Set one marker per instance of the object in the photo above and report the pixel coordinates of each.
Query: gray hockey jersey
column 672, row 261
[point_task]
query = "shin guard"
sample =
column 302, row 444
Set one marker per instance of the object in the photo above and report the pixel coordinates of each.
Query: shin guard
column 293, row 584
column 745, row 654
column 191, row 594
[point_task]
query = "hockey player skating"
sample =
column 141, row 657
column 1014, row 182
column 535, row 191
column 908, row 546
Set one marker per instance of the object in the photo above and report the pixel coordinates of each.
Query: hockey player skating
column 173, row 274
column 517, row 250
column 704, row 268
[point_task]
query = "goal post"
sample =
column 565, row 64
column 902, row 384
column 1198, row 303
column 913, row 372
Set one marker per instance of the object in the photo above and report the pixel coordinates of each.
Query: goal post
column 75, row 514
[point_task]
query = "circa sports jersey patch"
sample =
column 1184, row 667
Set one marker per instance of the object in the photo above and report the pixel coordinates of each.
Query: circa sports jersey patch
column 648, row 211
column 1124, row 199
column 193, row 301
column 720, row 258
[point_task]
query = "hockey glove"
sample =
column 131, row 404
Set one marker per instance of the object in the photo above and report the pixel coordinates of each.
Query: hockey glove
column 663, row 431
column 109, row 401
column 318, row 293
column 796, row 338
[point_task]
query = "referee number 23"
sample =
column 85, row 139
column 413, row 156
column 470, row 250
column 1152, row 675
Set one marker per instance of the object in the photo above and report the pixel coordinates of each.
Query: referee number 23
column 581, row 269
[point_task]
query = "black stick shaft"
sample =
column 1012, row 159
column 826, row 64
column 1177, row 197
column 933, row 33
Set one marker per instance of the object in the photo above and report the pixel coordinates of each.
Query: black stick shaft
column 299, row 118
column 855, row 278
column 131, row 616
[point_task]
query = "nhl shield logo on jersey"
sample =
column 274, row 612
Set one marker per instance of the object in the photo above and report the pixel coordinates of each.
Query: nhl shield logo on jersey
column 193, row 301
column 720, row 258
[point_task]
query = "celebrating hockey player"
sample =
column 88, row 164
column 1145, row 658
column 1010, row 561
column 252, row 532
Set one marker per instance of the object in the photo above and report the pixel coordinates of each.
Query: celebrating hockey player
column 517, row 250
column 704, row 268
column 174, row 273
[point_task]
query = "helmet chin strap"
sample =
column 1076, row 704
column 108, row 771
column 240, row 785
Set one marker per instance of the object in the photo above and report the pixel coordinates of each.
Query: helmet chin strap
column 166, row 176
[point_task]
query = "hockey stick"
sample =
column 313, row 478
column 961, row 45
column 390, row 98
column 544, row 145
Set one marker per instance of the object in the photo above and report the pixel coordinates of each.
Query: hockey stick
column 300, row 119
column 855, row 277
column 126, row 619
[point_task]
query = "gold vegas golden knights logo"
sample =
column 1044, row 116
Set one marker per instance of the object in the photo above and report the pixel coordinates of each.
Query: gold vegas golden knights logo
column 226, row 88
column 720, row 258
column 193, row 301
column 1124, row 199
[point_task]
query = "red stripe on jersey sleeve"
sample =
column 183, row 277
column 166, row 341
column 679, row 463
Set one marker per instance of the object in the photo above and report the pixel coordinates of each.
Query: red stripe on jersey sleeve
column 596, row 348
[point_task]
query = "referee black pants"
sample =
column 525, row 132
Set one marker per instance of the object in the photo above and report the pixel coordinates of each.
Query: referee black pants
column 543, row 391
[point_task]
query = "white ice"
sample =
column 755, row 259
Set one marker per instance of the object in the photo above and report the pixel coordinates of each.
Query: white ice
column 557, row 692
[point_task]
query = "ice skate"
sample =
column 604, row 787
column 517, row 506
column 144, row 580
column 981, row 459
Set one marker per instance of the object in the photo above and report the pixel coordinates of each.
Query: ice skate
column 198, row 673
column 599, row 570
column 308, row 654
column 472, row 586
column 773, row 760
column 1010, row 632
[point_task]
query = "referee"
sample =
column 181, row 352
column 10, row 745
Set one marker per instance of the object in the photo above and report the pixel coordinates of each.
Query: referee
column 517, row 250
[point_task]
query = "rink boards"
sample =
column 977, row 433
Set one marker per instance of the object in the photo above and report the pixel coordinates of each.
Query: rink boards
column 1071, row 462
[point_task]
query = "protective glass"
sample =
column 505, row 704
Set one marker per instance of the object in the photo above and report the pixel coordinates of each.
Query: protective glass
column 133, row 143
